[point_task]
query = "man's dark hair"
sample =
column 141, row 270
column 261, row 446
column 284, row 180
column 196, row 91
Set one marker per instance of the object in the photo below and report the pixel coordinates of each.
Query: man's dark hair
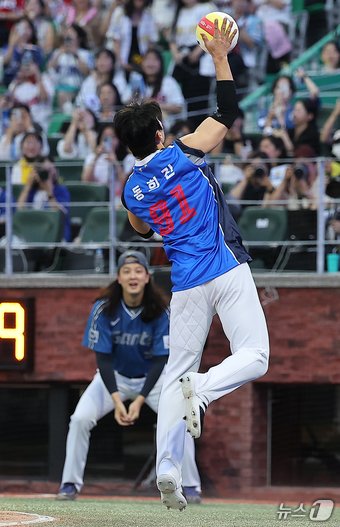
column 136, row 126
column 154, row 300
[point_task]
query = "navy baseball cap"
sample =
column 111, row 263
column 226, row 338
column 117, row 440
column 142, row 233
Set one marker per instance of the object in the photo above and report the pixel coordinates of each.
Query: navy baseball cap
column 132, row 257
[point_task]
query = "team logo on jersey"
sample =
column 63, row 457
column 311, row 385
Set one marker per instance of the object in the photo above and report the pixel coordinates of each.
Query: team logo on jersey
column 132, row 339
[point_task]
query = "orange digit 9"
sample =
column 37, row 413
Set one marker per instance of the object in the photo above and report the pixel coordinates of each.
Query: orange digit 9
column 16, row 333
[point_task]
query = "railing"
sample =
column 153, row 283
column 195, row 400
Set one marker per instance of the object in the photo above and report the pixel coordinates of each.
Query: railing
column 114, row 243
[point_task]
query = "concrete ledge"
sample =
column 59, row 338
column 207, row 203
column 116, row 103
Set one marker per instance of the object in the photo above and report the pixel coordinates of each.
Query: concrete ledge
column 89, row 281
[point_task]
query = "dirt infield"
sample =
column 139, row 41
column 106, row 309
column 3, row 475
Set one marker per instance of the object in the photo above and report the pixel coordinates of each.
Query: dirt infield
column 14, row 518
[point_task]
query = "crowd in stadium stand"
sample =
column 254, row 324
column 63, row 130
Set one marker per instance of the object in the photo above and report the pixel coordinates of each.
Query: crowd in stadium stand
column 83, row 59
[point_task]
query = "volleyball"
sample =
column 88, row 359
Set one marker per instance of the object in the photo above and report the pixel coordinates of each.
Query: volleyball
column 206, row 26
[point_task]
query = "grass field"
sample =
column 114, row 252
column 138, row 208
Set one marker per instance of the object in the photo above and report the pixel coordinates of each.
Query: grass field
column 146, row 513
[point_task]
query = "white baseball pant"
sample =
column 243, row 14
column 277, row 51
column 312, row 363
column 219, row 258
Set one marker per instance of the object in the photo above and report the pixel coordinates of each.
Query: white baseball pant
column 233, row 296
column 95, row 403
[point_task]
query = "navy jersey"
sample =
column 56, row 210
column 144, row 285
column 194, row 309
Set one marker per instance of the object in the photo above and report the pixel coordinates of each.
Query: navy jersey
column 131, row 341
column 175, row 192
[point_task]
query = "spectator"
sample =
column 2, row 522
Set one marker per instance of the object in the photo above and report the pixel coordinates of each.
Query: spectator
column 109, row 157
column 128, row 330
column 255, row 185
column 151, row 83
column 330, row 126
column 330, row 57
column 109, row 102
column 31, row 152
column 305, row 130
column 298, row 186
column 10, row 12
column 21, row 46
column 333, row 168
column 251, row 37
column 131, row 32
column 34, row 89
column 193, row 68
column 104, row 72
column 43, row 191
column 80, row 137
column 69, row 65
column 84, row 15
column 275, row 17
column 35, row 11
column 163, row 12
column 280, row 113
column 276, row 151
column 19, row 124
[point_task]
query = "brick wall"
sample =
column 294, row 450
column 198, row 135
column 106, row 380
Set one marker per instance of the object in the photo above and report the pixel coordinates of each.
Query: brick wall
column 305, row 347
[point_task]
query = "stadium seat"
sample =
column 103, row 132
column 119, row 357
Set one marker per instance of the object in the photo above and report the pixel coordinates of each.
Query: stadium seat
column 38, row 226
column 96, row 228
column 70, row 170
column 35, row 226
column 84, row 196
column 264, row 225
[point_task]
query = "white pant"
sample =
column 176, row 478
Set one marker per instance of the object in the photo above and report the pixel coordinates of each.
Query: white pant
column 95, row 403
column 233, row 296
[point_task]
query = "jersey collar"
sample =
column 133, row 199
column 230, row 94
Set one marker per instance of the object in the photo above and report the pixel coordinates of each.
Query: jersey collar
column 147, row 159
column 133, row 313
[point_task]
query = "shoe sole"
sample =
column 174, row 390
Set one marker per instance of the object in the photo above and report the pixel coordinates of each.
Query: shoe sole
column 171, row 497
column 64, row 497
column 192, row 407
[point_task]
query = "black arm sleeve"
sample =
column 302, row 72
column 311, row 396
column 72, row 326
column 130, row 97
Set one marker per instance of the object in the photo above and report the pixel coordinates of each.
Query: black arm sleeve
column 104, row 363
column 227, row 105
column 147, row 235
column 152, row 377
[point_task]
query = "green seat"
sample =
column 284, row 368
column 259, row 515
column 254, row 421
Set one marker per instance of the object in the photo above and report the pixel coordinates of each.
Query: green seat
column 38, row 226
column 96, row 228
column 264, row 225
column 52, row 142
column 84, row 196
column 70, row 170
column 56, row 122
column 121, row 217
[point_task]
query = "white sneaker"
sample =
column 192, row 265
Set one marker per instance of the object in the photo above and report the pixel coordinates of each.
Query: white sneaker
column 195, row 408
column 171, row 497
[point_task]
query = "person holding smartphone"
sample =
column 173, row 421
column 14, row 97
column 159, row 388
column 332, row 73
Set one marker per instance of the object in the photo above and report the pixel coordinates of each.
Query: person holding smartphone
column 43, row 191
column 109, row 156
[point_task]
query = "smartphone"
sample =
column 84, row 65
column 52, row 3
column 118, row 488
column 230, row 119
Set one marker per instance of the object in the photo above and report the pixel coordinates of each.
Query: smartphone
column 107, row 144
column 16, row 114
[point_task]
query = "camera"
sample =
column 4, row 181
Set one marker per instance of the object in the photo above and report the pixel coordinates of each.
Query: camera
column 301, row 172
column 43, row 174
column 260, row 172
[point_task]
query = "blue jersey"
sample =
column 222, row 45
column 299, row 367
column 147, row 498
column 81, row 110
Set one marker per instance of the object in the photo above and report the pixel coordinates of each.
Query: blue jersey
column 131, row 341
column 175, row 192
